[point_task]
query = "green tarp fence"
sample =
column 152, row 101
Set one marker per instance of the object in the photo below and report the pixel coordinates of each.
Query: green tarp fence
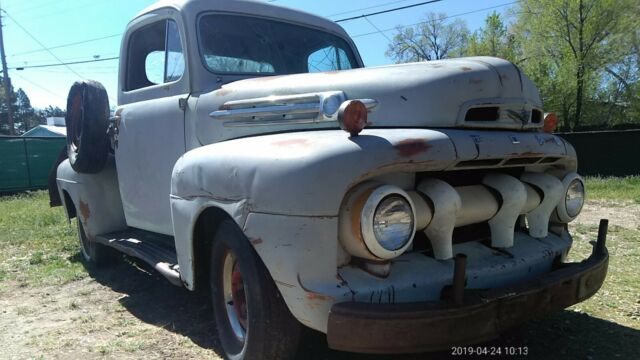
column 607, row 153
column 25, row 162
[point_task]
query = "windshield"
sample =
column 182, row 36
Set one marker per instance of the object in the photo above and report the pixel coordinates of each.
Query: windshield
column 248, row 45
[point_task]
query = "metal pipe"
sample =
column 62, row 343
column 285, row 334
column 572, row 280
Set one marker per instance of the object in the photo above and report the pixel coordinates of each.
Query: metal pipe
column 599, row 249
column 459, row 275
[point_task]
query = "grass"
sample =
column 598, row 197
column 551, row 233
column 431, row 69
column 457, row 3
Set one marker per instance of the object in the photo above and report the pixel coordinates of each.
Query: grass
column 612, row 188
column 37, row 245
column 618, row 300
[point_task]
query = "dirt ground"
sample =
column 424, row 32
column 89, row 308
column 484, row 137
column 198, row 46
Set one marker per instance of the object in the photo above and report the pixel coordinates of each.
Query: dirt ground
column 127, row 312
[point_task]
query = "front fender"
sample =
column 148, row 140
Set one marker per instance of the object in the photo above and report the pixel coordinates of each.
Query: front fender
column 303, row 174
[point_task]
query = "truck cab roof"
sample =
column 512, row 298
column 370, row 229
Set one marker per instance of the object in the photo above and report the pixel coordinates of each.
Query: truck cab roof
column 191, row 8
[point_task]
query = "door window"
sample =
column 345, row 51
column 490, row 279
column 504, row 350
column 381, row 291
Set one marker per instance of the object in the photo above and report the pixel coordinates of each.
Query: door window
column 155, row 56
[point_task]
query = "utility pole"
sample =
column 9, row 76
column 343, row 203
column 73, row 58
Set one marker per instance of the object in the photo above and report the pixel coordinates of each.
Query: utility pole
column 7, row 81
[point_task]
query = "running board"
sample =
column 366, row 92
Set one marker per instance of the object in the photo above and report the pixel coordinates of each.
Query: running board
column 155, row 249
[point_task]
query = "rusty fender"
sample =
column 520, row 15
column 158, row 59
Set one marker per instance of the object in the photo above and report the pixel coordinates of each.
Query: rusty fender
column 96, row 198
column 302, row 174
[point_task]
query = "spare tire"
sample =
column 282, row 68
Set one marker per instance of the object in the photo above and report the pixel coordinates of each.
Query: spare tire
column 87, row 122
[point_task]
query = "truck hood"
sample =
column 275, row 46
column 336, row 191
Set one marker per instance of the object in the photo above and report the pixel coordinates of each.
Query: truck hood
column 476, row 92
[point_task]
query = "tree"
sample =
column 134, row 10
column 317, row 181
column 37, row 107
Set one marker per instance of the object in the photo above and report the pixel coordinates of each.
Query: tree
column 568, row 44
column 4, row 122
column 53, row 111
column 493, row 40
column 433, row 39
column 24, row 115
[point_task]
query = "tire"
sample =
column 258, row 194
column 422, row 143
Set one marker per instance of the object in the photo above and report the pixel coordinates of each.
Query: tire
column 252, row 320
column 87, row 122
column 93, row 254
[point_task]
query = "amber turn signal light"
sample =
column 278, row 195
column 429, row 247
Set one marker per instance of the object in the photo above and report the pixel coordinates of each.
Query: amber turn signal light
column 352, row 116
column 550, row 122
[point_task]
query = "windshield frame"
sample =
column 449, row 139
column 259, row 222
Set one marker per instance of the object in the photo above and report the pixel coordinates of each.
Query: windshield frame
column 347, row 41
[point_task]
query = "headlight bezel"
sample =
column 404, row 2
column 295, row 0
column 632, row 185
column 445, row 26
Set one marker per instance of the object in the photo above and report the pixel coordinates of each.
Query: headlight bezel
column 367, row 221
column 563, row 213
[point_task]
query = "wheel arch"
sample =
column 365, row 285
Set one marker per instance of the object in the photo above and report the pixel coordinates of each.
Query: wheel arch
column 194, row 223
column 202, row 237
column 69, row 205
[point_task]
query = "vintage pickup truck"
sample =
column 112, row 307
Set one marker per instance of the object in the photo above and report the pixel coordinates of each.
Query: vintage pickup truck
column 400, row 208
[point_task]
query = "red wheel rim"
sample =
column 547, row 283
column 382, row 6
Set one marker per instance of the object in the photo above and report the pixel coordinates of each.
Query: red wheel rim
column 234, row 292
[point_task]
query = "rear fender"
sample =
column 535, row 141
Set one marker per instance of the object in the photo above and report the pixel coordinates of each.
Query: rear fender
column 95, row 198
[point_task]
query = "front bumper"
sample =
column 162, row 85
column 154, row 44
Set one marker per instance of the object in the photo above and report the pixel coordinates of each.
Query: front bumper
column 483, row 314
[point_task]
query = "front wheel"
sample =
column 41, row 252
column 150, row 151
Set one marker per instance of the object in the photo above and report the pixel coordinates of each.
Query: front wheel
column 252, row 319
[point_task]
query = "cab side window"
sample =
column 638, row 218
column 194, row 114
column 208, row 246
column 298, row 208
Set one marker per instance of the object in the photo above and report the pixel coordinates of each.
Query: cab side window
column 155, row 56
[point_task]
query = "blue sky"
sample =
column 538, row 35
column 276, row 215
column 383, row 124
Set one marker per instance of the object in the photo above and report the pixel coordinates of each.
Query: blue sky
column 56, row 22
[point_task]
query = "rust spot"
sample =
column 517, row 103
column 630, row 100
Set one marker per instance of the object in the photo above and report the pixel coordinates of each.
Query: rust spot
column 316, row 296
column 412, row 147
column 223, row 92
column 313, row 295
column 292, row 142
column 256, row 241
column 84, row 211
column 265, row 78
column 475, row 81
column 466, row 68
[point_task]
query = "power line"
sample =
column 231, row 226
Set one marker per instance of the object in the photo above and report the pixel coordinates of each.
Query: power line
column 64, row 64
column 378, row 29
column 66, row 45
column 41, row 44
column 444, row 18
column 27, row 8
column 31, row 62
column 389, row 10
column 367, row 8
column 40, row 87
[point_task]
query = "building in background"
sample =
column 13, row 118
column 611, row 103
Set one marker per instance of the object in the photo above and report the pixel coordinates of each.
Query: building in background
column 55, row 128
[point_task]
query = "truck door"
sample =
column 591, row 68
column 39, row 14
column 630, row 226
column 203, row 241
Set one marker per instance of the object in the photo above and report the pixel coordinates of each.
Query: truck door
column 151, row 137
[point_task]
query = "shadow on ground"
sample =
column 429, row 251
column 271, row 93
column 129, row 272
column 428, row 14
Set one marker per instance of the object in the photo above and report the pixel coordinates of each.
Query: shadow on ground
column 564, row 335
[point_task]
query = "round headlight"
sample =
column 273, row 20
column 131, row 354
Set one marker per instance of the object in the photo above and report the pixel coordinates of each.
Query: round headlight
column 567, row 210
column 393, row 223
column 574, row 199
column 387, row 222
